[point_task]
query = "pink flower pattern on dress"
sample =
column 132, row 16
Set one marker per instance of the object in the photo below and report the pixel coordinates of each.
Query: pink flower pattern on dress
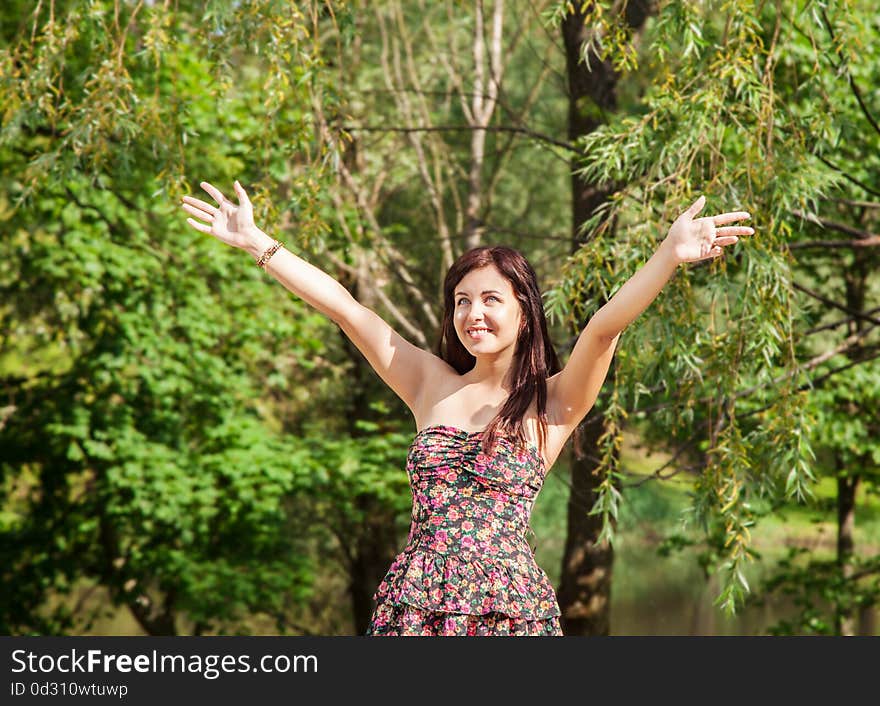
column 467, row 568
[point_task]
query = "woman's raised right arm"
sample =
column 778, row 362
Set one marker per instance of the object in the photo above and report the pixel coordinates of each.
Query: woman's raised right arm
column 312, row 285
column 234, row 225
column 404, row 367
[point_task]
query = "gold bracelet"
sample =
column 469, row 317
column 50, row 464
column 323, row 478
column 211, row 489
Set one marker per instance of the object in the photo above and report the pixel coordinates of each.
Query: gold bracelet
column 264, row 258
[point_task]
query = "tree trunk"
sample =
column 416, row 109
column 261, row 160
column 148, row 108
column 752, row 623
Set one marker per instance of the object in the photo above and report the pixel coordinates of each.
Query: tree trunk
column 585, row 587
column 846, row 520
column 867, row 621
column 374, row 550
column 847, row 619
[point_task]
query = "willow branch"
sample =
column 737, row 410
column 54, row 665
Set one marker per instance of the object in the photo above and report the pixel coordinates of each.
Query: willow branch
column 834, row 225
column 825, row 300
column 852, row 82
column 453, row 128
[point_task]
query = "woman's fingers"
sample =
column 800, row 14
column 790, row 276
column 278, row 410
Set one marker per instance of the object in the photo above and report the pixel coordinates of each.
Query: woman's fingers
column 696, row 206
column 199, row 226
column 734, row 230
column 726, row 240
column 241, row 193
column 723, row 218
column 219, row 219
column 213, row 191
column 198, row 212
column 198, row 203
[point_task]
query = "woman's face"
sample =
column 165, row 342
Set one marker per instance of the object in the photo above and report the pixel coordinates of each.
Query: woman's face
column 484, row 299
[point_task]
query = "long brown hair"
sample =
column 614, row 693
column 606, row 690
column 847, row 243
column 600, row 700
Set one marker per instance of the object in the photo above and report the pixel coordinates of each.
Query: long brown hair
column 534, row 357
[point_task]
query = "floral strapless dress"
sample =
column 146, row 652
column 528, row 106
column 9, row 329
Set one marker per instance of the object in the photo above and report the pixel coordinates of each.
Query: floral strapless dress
column 467, row 568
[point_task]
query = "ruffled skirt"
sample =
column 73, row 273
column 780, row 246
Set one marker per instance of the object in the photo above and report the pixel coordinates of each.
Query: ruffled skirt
column 404, row 620
column 427, row 593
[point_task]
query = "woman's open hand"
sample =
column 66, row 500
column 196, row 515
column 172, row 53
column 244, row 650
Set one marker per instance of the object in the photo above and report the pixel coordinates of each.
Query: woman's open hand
column 691, row 239
column 231, row 223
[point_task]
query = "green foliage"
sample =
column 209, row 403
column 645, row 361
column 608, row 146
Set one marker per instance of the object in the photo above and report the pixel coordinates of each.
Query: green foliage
column 744, row 104
column 134, row 453
column 821, row 591
column 343, row 471
column 846, row 416
column 164, row 436
column 609, row 36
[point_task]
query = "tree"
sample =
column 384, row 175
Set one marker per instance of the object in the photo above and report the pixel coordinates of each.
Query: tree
column 134, row 457
column 593, row 74
column 433, row 142
column 748, row 108
column 129, row 338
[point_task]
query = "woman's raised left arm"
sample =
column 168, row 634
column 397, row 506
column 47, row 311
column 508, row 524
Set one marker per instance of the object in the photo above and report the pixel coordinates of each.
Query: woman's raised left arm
column 573, row 391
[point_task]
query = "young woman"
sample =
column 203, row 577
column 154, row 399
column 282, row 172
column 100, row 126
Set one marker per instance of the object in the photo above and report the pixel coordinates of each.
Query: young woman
column 493, row 411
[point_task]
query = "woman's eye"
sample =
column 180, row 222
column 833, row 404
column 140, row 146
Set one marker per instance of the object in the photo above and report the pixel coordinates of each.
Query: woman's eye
column 491, row 296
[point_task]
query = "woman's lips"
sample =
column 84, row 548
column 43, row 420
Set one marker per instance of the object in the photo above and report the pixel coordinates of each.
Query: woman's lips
column 477, row 335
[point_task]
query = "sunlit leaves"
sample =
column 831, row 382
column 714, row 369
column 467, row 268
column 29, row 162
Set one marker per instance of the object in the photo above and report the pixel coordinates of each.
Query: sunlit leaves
column 153, row 472
column 742, row 101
